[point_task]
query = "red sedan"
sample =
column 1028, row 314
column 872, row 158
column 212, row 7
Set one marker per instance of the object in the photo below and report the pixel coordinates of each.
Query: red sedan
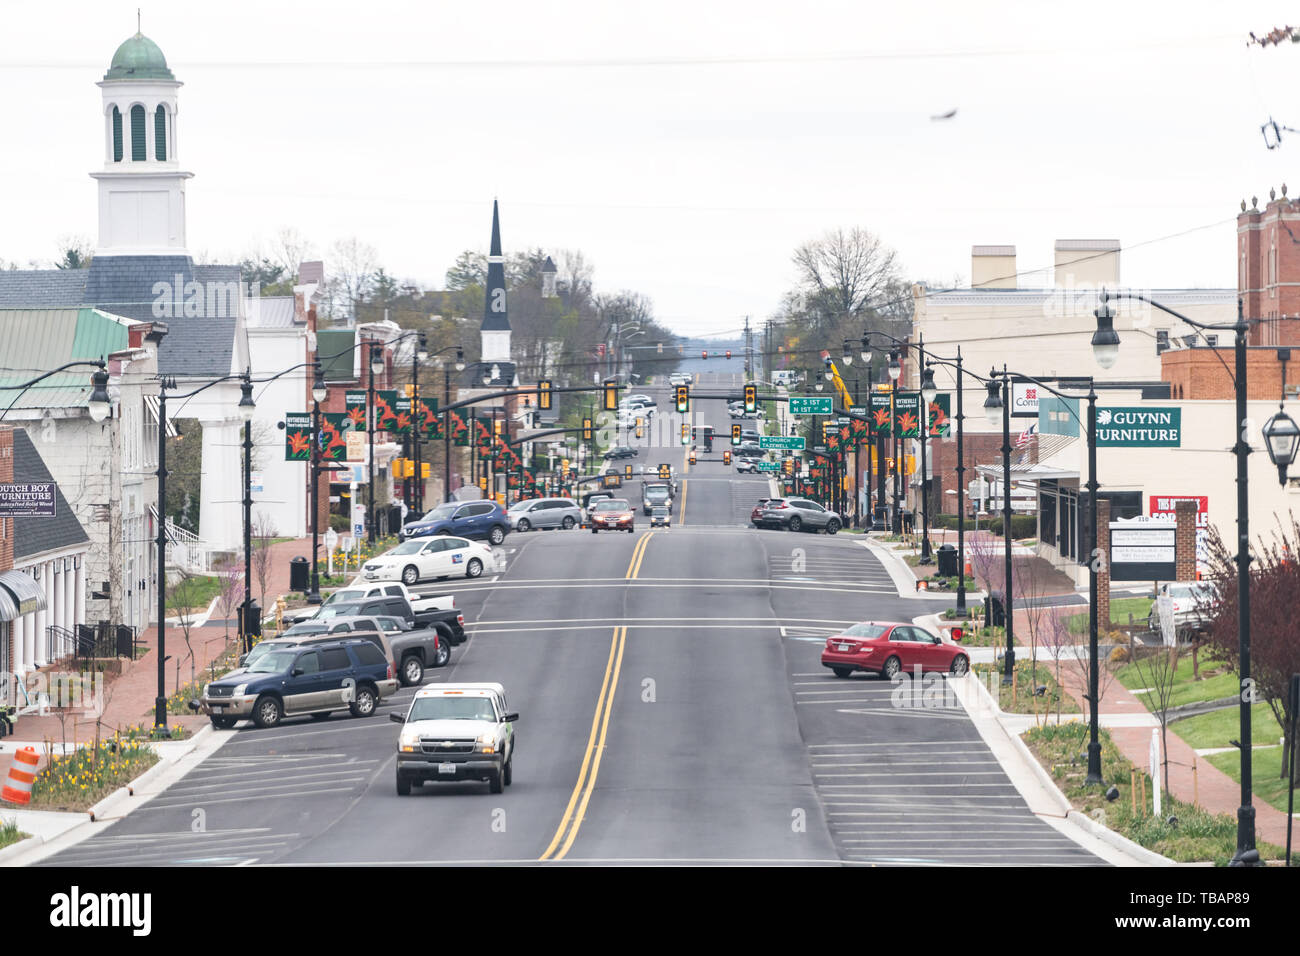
column 887, row 649
column 612, row 514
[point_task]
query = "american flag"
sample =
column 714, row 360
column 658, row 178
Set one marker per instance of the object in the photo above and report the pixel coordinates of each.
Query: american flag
column 1026, row 436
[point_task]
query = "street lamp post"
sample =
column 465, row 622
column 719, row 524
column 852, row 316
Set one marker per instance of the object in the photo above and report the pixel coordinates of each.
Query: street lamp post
column 376, row 368
column 929, row 392
column 250, row 612
column 895, row 371
column 166, row 382
column 446, row 429
column 1105, row 346
column 998, row 404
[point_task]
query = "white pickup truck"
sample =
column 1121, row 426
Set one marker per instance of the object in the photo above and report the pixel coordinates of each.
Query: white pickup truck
column 360, row 590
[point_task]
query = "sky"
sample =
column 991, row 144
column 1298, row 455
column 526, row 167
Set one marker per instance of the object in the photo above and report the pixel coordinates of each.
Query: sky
column 686, row 148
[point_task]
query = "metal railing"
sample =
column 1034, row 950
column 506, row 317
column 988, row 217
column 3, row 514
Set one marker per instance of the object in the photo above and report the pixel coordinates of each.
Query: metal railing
column 187, row 550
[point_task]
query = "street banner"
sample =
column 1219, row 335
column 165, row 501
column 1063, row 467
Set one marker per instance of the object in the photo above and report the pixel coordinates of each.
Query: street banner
column 354, row 402
column 297, row 436
column 425, row 415
column 907, row 415
column 459, row 430
column 385, row 409
column 334, row 427
column 400, row 423
column 941, row 415
column 35, row 499
column 879, row 409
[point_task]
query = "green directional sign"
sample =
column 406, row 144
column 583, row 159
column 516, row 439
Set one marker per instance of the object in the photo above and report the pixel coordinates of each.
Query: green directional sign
column 769, row 466
column 811, row 406
column 783, row 442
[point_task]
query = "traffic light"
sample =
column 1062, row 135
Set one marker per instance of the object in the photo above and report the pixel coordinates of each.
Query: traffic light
column 789, row 466
column 683, row 399
column 728, row 353
column 586, row 429
column 482, row 483
column 638, row 428
column 686, row 434
column 735, row 434
column 544, row 394
column 424, row 469
column 726, row 458
column 751, row 398
column 665, row 472
column 611, row 395
column 694, row 428
column 627, row 471
column 704, row 354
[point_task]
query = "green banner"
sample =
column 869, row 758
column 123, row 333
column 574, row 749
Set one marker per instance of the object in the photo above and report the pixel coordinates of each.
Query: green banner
column 334, row 427
column 385, row 409
column 459, row 430
column 879, row 409
column 355, row 403
column 907, row 415
column 400, row 422
column 427, row 420
column 297, row 436
column 1139, row 427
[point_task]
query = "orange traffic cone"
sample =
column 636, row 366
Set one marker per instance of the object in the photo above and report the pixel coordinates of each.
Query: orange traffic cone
column 22, row 772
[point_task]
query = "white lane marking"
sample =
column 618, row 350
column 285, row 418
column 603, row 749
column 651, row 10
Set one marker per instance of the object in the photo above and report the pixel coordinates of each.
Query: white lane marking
column 155, row 805
column 846, row 587
column 906, row 744
column 630, row 627
column 256, row 737
column 623, row 620
column 892, row 774
column 290, row 780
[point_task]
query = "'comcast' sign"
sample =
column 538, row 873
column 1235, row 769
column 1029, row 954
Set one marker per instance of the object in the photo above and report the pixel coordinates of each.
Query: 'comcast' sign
column 1139, row 427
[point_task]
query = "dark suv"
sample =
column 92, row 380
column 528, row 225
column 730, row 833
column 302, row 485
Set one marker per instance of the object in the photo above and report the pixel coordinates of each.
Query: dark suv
column 469, row 519
column 314, row 679
column 621, row 451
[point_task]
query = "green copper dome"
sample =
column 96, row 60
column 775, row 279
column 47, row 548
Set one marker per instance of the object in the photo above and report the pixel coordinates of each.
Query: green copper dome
column 139, row 59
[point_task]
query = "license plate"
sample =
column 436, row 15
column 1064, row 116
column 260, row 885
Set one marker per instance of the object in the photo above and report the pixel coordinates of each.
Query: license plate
column 845, row 647
column 446, row 768
column 218, row 708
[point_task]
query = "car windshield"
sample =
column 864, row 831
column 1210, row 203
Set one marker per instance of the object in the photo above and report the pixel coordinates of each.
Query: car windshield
column 406, row 547
column 612, row 504
column 345, row 594
column 442, row 511
column 452, row 708
column 305, row 628
column 865, row 631
column 261, row 650
column 273, row 662
column 659, row 512
column 523, row 505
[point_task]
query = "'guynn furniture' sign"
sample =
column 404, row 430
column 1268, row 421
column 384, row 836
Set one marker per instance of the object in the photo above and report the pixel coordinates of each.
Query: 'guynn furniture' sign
column 1138, row 427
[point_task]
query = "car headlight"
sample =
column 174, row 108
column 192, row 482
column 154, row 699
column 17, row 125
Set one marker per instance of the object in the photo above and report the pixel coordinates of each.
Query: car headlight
column 409, row 740
column 239, row 690
column 205, row 689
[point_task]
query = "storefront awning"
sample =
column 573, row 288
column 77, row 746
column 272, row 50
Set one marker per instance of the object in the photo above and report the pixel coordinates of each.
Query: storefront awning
column 19, row 595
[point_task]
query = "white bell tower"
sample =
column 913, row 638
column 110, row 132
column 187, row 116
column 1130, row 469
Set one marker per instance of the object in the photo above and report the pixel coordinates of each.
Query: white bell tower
column 141, row 186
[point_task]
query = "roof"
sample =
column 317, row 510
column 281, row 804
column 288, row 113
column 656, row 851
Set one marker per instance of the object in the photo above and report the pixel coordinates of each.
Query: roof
column 36, row 340
column 19, row 595
column 272, row 312
column 330, row 342
column 201, row 319
column 38, row 535
column 992, row 250
column 548, row 265
column 472, row 377
column 139, row 58
column 1087, row 245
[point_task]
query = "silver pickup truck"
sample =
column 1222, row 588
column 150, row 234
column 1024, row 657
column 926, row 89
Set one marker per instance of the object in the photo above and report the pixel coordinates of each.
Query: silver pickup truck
column 360, row 590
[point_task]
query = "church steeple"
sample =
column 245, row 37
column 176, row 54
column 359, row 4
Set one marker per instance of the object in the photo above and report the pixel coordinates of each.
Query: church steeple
column 141, row 185
column 494, row 333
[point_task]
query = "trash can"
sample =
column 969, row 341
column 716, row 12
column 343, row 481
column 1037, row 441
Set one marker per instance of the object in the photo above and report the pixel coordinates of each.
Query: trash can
column 997, row 609
column 299, row 575
column 947, row 557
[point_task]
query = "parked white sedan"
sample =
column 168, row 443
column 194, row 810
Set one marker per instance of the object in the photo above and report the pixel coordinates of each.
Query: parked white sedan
column 423, row 558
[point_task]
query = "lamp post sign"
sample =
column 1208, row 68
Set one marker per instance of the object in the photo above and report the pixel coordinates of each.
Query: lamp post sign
column 34, row 499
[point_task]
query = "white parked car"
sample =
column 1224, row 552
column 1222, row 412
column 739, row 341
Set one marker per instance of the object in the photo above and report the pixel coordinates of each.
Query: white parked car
column 423, row 558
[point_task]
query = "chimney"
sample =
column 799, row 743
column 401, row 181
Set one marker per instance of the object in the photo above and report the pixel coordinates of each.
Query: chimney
column 993, row 267
column 1087, row 262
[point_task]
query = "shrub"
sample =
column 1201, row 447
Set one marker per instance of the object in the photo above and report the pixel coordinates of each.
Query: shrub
column 1118, row 655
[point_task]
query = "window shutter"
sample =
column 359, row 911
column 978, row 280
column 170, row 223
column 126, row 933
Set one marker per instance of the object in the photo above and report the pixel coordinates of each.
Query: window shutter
column 117, row 135
column 160, row 133
column 137, row 134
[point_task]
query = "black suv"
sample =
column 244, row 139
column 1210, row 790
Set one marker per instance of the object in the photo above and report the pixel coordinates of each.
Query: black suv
column 314, row 679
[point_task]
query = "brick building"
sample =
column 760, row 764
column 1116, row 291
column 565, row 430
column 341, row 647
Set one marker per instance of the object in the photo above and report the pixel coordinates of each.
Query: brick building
column 1268, row 268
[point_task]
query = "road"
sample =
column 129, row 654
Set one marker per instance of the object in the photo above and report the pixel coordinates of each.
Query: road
column 672, row 709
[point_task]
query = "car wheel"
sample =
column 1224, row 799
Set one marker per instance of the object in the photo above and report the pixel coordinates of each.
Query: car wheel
column 412, row 670
column 474, row 568
column 410, row 575
column 364, row 704
column 524, row 525
column 443, row 654
column 593, row 530
column 495, row 782
column 796, row 524
column 841, row 671
column 497, row 534
column 403, row 786
column 892, row 668
column 630, row 530
column 567, row 523
column 223, row 722
column 832, row 526
column 510, row 770
column 960, row 665
column 267, row 712
column 444, row 532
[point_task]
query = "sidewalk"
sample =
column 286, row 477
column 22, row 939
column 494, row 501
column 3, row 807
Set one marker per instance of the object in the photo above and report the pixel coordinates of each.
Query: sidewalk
column 129, row 699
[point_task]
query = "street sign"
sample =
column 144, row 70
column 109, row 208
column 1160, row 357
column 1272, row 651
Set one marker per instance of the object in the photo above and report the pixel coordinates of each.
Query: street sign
column 34, row 499
column 1024, row 400
column 782, row 442
column 1138, row 427
column 769, row 466
column 811, row 406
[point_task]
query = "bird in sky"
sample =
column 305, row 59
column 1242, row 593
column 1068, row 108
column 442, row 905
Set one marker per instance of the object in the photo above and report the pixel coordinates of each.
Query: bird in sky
column 945, row 116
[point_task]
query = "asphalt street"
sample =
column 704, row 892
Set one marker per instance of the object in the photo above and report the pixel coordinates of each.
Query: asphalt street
column 672, row 709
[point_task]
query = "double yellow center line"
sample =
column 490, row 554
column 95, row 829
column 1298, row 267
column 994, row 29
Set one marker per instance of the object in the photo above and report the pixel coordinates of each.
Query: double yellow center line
column 576, row 809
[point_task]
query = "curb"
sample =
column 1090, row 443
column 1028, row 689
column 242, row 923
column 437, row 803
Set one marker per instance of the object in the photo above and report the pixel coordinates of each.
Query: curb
column 21, row 847
column 1068, row 814
column 898, row 571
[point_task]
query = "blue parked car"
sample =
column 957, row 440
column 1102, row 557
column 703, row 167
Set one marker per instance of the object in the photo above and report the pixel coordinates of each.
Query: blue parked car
column 315, row 679
column 469, row 519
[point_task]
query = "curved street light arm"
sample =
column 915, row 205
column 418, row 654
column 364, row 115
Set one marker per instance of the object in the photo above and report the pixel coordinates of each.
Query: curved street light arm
column 81, row 363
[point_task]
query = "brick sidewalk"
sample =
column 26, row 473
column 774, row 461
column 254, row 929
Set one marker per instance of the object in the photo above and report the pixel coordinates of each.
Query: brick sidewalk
column 129, row 698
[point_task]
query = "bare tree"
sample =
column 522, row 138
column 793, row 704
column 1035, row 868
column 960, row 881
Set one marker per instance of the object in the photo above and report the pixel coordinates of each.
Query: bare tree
column 1158, row 671
column 263, row 535
column 231, row 594
column 353, row 264
column 288, row 250
column 844, row 273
